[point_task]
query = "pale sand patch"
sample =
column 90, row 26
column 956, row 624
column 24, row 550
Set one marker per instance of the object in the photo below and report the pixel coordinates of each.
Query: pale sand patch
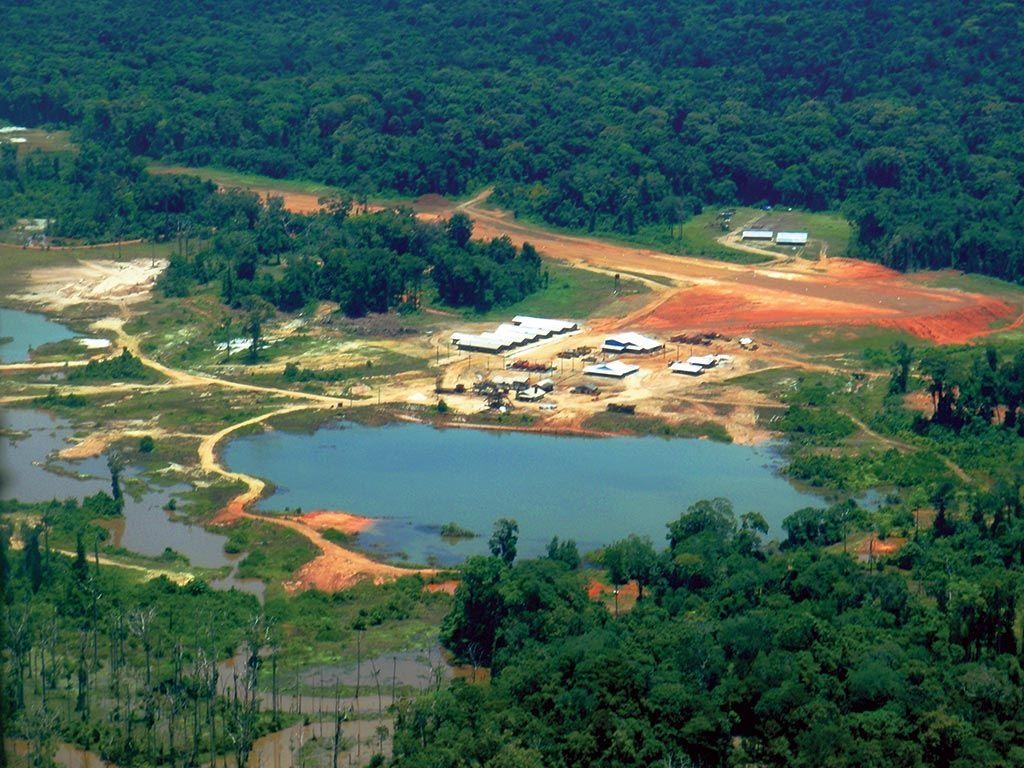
column 93, row 281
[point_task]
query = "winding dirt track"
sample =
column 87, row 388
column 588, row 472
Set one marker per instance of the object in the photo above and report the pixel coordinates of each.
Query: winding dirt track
column 335, row 567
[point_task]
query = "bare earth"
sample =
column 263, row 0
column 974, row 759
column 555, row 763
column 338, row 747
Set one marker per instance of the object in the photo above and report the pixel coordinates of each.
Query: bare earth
column 99, row 281
column 688, row 295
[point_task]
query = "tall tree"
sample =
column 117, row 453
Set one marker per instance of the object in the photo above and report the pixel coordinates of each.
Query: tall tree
column 257, row 312
column 504, row 539
column 116, row 464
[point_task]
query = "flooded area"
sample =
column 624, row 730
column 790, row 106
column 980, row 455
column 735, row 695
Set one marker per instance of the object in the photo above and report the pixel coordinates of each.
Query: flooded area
column 30, row 474
column 414, row 478
column 21, row 332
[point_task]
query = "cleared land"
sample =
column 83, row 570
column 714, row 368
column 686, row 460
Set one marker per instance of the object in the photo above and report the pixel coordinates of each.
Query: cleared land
column 810, row 315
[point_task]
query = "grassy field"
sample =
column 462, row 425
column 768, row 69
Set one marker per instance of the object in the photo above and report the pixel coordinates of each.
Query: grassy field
column 231, row 179
column 857, row 343
column 649, row 426
column 317, row 628
column 274, row 552
column 41, row 139
column 571, row 293
column 699, row 235
column 824, row 229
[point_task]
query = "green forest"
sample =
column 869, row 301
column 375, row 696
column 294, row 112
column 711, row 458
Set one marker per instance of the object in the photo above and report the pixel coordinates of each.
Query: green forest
column 905, row 115
column 739, row 654
column 884, row 628
column 260, row 253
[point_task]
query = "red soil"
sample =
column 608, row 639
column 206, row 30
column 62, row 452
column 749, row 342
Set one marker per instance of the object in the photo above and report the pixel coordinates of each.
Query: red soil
column 448, row 587
column 847, row 293
column 323, row 519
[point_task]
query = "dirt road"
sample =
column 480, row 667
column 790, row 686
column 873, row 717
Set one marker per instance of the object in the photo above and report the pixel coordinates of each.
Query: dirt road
column 734, row 298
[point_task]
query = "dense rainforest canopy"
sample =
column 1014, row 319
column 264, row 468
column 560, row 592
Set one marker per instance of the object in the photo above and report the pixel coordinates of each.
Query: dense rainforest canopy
column 740, row 654
column 599, row 114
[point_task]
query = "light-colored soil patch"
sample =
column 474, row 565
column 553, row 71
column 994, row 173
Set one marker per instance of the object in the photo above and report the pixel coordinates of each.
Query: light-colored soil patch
column 92, row 282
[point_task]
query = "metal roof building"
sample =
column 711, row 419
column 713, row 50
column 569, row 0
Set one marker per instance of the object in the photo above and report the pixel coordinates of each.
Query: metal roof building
column 758, row 234
column 631, row 342
column 554, row 326
column 791, row 238
column 704, row 361
column 687, row 368
column 522, row 330
column 615, row 369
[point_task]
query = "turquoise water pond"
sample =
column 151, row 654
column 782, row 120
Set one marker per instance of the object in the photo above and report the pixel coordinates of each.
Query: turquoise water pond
column 414, row 478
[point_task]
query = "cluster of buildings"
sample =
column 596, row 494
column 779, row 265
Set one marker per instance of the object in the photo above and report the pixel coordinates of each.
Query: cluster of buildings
column 780, row 238
column 523, row 330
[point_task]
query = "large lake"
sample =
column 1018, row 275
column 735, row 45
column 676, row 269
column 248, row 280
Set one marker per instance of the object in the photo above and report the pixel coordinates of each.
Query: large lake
column 27, row 331
column 415, row 478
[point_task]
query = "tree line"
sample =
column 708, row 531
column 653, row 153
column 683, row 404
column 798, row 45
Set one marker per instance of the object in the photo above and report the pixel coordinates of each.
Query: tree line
column 257, row 251
column 603, row 116
column 741, row 651
column 373, row 262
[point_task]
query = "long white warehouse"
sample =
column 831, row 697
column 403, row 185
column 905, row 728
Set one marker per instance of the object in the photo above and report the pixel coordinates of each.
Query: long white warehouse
column 522, row 330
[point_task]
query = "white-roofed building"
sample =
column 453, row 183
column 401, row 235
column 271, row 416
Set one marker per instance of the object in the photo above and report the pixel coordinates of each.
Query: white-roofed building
column 791, row 238
column 687, row 369
column 481, row 342
column 530, row 394
column 758, row 234
column 704, row 361
column 615, row 369
column 630, row 342
column 521, row 331
column 554, row 326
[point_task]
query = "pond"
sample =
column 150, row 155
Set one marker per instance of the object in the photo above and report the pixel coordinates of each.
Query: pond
column 26, row 332
column 415, row 478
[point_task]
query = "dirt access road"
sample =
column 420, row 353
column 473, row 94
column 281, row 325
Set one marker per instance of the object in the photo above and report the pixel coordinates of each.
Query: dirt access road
column 334, row 567
column 736, row 299
column 739, row 299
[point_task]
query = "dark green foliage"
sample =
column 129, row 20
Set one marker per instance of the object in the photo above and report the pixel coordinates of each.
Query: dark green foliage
column 564, row 552
column 456, row 531
column 368, row 263
column 124, row 367
column 33, row 561
column 53, row 399
column 904, row 357
column 470, row 630
column 146, row 444
column 746, row 656
column 101, row 193
column 631, row 559
column 818, row 425
column 821, row 526
column 115, row 464
column 610, row 117
column 870, row 469
column 504, row 539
